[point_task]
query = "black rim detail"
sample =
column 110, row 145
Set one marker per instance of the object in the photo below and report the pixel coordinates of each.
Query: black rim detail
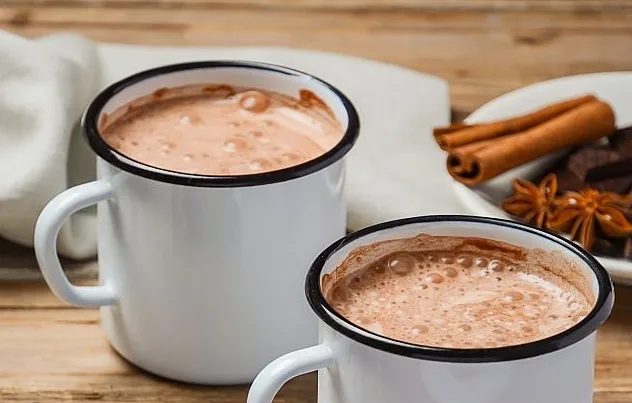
column 599, row 314
column 103, row 150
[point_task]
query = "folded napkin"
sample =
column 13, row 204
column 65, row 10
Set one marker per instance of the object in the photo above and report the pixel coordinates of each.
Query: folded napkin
column 45, row 85
column 395, row 169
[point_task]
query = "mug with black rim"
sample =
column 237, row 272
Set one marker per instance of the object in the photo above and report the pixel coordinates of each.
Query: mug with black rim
column 358, row 366
column 200, row 276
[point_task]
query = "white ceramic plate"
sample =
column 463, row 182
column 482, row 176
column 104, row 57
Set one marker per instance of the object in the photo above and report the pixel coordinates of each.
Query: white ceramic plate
column 614, row 88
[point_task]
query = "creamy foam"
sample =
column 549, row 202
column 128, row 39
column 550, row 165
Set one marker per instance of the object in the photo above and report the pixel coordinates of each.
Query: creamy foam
column 221, row 130
column 458, row 292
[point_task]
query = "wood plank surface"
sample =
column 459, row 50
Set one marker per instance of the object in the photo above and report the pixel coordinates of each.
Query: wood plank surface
column 52, row 353
column 482, row 54
column 484, row 48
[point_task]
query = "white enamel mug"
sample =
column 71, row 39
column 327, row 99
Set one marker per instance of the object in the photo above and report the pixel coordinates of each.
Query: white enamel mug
column 201, row 276
column 357, row 366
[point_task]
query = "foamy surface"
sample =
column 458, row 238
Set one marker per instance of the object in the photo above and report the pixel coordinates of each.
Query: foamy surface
column 458, row 292
column 221, row 130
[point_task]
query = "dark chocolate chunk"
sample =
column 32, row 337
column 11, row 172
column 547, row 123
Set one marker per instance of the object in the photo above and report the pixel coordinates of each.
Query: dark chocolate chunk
column 618, row 169
column 609, row 247
column 627, row 249
column 621, row 141
column 572, row 171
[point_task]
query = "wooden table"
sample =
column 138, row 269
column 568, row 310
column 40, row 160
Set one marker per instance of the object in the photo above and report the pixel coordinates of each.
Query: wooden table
column 52, row 353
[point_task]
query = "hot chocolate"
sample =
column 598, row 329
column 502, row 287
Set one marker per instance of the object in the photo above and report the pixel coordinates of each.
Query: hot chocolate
column 222, row 130
column 458, row 292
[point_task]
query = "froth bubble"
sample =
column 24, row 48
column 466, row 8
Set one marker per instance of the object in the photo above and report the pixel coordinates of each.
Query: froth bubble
column 481, row 262
column 229, row 147
column 259, row 163
column 527, row 329
column 530, row 311
column 354, row 282
column 513, row 296
column 339, row 294
column 233, row 125
column 447, row 259
column 464, row 261
column 187, row 157
column 379, row 269
column 401, row 264
column 254, row 101
column 496, row 265
column 450, row 272
column 290, row 156
column 565, row 296
column 464, row 327
column 573, row 305
column 434, row 278
column 433, row 258
column 185, row 120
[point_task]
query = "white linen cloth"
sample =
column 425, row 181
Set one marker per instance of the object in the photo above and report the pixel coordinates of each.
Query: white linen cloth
column 45, row 84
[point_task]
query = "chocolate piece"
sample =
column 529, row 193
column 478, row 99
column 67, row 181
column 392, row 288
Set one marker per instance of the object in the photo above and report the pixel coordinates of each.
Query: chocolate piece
column 605, row 166
column 610, row 247
column 627, row 249
column 621, row 141
column 572, row 171
column 613, row 170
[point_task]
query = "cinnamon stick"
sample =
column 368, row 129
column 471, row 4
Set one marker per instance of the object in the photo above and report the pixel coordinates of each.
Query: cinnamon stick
column 465, row 151
column 459, row 135
column 585, row 123
column 450, row 129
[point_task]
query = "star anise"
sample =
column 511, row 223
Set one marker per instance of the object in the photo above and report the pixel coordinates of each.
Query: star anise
column 581, row 214
column 530, row 202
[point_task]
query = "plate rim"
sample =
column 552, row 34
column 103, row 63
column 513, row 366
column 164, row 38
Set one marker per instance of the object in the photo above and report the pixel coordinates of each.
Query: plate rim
column 480, row 112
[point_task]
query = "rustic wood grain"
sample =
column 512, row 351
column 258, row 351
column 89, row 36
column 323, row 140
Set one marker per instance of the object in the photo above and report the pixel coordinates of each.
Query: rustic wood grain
column 351, row 5
column 484, row 48
column 482, row 54
column 50, row 355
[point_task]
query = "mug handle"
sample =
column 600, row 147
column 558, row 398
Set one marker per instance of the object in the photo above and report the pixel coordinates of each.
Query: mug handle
column 47, row 229
column 286, row 367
